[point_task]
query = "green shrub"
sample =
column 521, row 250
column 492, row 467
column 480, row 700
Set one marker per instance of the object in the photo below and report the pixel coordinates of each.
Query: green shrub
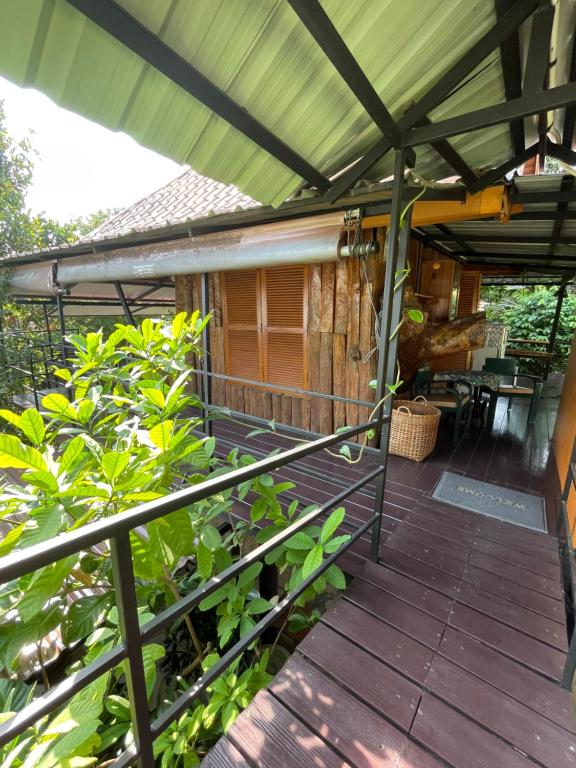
column 128, row 434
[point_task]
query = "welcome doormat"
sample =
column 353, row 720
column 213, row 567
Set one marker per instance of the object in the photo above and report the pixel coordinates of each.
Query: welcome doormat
column 492, row 500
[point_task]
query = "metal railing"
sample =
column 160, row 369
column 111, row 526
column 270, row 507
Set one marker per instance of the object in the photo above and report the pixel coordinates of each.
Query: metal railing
column 116, row 530
column 569, row 570
column 29, row 358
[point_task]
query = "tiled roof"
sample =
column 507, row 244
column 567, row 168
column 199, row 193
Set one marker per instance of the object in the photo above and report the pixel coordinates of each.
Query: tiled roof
column 188, row 197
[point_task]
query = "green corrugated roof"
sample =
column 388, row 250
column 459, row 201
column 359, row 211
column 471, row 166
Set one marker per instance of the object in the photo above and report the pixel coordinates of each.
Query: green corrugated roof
column 260, row 54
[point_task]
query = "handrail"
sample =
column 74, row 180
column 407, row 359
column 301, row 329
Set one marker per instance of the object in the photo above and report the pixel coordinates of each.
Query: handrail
column 117, row 528
column 283, row 388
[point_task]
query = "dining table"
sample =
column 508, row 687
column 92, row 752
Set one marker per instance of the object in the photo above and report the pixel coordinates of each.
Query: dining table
column 479, row 382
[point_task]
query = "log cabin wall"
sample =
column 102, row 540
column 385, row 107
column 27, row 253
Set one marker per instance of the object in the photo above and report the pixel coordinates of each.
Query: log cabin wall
column 340, row 342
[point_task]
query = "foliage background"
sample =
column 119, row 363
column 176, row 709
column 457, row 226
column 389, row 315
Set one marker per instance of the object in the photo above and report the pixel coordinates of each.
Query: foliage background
column 529, row 313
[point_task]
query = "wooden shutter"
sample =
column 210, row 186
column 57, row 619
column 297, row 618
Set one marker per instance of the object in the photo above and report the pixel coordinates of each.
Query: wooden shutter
column 468, row 300
column 242, row 321
column 284, row 325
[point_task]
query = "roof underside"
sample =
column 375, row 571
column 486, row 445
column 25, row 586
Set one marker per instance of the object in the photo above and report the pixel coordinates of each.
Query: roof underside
column 307, row 98
column 262, row 58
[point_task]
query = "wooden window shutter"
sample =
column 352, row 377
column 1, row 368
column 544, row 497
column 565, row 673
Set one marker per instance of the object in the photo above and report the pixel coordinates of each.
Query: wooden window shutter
column 284, row 319
column 242, row 321
column 468, row 300
column 469, row 293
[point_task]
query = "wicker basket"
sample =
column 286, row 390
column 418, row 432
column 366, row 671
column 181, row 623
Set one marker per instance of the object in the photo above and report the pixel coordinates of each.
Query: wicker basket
column 413, row 428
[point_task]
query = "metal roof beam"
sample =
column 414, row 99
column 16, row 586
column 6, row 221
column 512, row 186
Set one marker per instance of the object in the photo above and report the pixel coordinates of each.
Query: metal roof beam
column 114, row 20
column 543, row 216
column 561, row 152
column 491, row 177
column 320, row 26
column 499, row 238
column 515, row 257
column 531, row 104
column 451, row 236
column 567, row 184
column 454, row 160
column 495, row 37
column 512, row 72
column 570, row 114
column 566, row 196
column 538, row 49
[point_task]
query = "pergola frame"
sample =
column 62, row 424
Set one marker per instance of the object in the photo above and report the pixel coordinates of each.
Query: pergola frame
column 525, row 96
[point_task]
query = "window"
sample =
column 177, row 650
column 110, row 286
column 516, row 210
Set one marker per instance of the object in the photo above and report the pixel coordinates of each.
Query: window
column 265, row 324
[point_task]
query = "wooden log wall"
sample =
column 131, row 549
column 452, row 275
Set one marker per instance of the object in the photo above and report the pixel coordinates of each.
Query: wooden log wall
column 341, row 338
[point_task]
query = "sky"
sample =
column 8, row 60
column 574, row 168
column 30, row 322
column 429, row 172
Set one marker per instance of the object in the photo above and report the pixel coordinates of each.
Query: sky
column 80, row 167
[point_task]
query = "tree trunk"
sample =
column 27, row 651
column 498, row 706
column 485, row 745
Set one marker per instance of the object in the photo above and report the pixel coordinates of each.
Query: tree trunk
column 420, row 343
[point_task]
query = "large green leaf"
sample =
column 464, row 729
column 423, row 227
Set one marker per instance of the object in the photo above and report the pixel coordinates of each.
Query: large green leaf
column 45, row 584
column 84, row 615
column 42, row 479
column 14, row 454
column 10, row 417
column 300, row 540
column 160, row 435
column 72, row 453
column 59, row 405
column 32, row 424
column 155, row 396
column 44, row 523
column 11, row 539
column 150, row 655
column 331, row 524
column 313, row 561
column 114, row 463
column 204, row 560
column 248, row 576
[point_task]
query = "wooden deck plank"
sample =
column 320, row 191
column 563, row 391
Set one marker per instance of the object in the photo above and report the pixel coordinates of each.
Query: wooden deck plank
column 420, row 571
column 413, row 622
column 460, row 741
column 356, row 731
column 516, row 557
column 427, row 600
column 373, row 682
column 517, row 574
column 224, row 755
column 506, row 612
column 271, row 736
column 389, row 645
column 517, row 724
column 536, row 601
column 534, row 654
column 517, row 681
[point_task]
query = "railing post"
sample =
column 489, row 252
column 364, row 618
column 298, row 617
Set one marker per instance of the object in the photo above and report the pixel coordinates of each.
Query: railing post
column 554, row 329
column 397, row 242
column 124, row 302
column 206, row 380
column 123, row 575
column 61, row 318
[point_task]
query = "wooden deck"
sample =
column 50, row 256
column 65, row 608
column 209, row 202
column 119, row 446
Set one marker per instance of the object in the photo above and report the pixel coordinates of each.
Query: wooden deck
column 446, row 653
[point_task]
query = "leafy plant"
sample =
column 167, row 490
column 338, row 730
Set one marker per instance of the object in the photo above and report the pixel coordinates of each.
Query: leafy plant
column 127, row 433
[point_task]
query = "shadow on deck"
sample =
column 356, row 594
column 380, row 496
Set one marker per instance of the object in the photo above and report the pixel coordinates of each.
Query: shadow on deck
column 446, row 652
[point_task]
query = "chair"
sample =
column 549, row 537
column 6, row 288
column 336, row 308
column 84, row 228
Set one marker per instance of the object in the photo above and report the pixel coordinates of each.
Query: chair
column 453, row 397
column 507, row 368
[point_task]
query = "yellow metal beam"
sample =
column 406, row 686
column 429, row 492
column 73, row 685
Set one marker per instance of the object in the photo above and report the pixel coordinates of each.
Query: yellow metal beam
column 489, row 203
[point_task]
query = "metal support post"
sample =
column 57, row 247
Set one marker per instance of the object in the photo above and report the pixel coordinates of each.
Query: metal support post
column 124, row 303
column 396, row 258
column 554, row 329
column 206, row 380
column 60, row 305
column 123, row 575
